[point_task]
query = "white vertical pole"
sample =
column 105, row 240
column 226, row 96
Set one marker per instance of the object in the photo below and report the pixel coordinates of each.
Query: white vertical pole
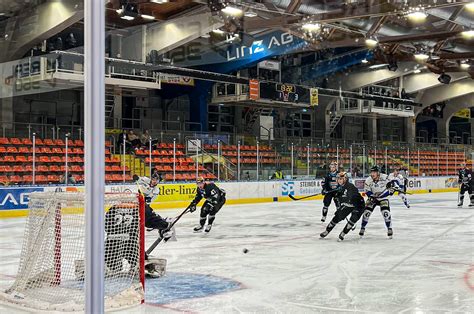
column 363, row 160
column 447, row 159
column 67, row 155
column 94, row 135
column 238, row 161
column 437, row 152
column 375, row 155
column 292, row 149
column 408, row 151
column 123, row 158
column 218, row 160
column 174, row 160
column 34, row 158
column 307, row 162
column 350, row 159
column 149, row 156
column 258, row 159
column 197, row 159
column 418, row 162
column 386, row 160
column 337, row 155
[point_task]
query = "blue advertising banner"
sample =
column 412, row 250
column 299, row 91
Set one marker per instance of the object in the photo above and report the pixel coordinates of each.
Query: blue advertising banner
column 16, row 198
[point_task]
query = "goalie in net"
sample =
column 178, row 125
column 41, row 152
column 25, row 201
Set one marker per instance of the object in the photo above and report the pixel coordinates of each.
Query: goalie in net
column 51, row 269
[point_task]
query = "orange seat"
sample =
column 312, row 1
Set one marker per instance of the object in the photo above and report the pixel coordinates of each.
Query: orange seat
column 55, row 159
column 4, row 141
column 45, row 150
column 42, row 168
column 59, row 142
column 15, row 141
column 53, row 178
column 3, row 150
column 48, row 141
column 21, row 159
column 23, row 150
column 44, row 159
column 12, row 150
column 54, row 169
column 16, row 179
column 4, row 179
column 28, row 178
column 18, row 168
column 79, row 143
column 9, row 159
column 57, row 150
column 26, row 141
column 41, row 179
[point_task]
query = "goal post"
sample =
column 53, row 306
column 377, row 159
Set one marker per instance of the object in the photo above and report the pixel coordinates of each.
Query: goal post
column 51, row 268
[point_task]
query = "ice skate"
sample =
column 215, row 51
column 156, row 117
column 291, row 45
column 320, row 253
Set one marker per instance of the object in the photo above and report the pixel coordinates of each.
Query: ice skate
column 389, row 233
column 323, row 219
column 324, row 234
column 198, row 228
column 341, row 237
column 361, row 232
column 208, row 228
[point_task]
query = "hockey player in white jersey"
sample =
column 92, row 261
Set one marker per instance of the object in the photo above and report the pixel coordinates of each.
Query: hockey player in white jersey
column 399, row 184
column 378, row 194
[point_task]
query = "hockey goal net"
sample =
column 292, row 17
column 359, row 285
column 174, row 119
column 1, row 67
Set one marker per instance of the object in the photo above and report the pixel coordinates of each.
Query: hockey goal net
column 51, row 269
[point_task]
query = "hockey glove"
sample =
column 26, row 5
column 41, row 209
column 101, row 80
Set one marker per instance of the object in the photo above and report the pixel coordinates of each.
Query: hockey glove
column 324, row 192
column 192, row 207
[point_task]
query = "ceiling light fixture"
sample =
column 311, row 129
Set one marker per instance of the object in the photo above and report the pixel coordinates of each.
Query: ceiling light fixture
column 378, row 66
column 232, row 10
column 250, row 14
column 417, row 14
column 218, row 31
column 371, row 42
column 159, row 1
column 417, row 71
column 421, row 56
column 468, row 34
column 148, row 17
column 465, row 65
column 311, row 27
column 469, row 6
column 365, row 61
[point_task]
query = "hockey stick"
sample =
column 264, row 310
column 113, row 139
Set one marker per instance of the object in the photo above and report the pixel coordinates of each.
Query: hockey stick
column 158, row 241
column 403, row 192
column 302, row 198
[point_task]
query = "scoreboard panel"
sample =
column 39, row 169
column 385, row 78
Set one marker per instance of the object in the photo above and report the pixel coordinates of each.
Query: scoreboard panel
column 287, row 93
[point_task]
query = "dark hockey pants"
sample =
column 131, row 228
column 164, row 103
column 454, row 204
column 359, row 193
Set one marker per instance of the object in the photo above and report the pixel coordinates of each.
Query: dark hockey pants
column 327, row 202
column 341, row 214
column 209, row 211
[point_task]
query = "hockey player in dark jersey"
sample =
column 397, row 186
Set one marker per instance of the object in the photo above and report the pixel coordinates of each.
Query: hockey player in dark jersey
column 215, row 199
column 329, row 184
column 466, row 184
column 350, row 203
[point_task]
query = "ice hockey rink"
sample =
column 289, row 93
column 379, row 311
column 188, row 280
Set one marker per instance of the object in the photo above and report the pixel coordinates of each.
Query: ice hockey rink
column 428, row 266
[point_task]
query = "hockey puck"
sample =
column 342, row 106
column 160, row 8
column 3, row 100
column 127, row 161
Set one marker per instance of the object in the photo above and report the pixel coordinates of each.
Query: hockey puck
column 245, row 251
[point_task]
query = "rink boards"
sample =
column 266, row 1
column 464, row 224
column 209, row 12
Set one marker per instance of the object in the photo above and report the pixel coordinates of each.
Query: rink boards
column 14, row 200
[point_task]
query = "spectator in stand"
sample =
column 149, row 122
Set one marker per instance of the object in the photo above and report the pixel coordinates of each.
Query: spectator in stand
column 277, row 175
column 145, row 138
column 134, row 140
column 70, row 179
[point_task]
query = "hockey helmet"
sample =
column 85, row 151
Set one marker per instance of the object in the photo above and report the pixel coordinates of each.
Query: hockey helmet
column 375, row 169
column 200, row 180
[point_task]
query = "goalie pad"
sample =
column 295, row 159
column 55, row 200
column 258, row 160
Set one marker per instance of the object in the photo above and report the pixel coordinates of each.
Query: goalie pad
column 155, row 267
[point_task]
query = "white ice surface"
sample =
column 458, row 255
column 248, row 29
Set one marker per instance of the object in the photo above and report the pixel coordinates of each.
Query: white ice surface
column 428, row 267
